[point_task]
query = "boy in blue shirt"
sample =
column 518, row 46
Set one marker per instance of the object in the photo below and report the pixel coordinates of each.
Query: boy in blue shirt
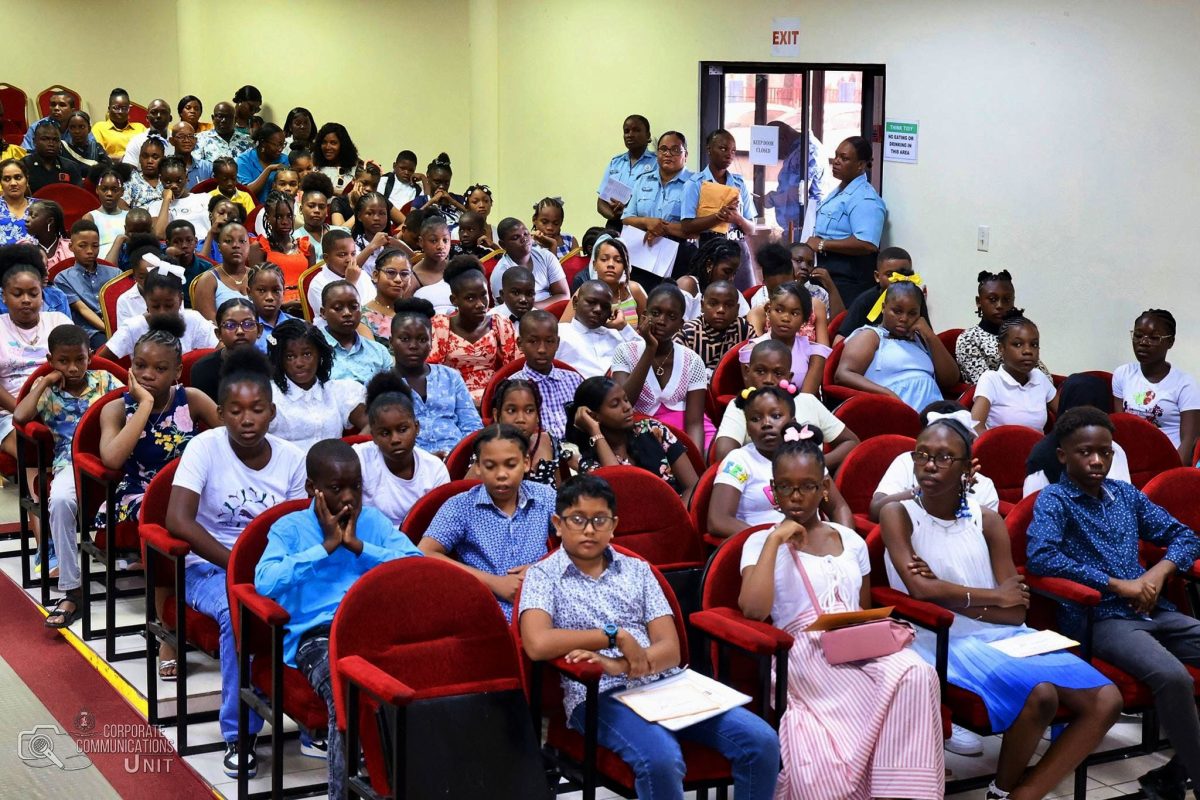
column 589, row 603
column 1087, row 528
column 312, row 559
column 356, row 355
column 81, row 282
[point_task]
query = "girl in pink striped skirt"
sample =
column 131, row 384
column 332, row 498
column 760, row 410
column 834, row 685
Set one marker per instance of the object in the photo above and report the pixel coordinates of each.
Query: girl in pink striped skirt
column 859, row 730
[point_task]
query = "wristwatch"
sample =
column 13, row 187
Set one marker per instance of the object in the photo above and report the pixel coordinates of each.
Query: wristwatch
column 610, row 631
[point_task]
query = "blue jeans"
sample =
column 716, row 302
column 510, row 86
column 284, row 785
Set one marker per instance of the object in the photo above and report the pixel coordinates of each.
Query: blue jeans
column 653, row 753
column 206, row 592
column 312, row 659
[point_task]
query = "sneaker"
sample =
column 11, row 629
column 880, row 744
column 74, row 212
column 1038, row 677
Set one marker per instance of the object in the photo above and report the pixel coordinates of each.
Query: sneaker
column 1168, row 782
column 231, row 759
column 994, row 792
column 963, row 742
column 313, row 748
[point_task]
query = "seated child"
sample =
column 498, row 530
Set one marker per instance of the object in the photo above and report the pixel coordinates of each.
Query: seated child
column 264, row 288
column 181, row 248
column 717, row 259
column 312, row 559
column 771, row 365
column 497, row 529
column 978, row 347
column 891, row 261
column 356, row 354
column 278, row 246
column 1088, row 528
column 793, row 318
column 138, row 223
column 131, row 303
column 430, row 270
column 775, row 263
column 816, row 279
column 81, row 282
column 902, row 357
column 227, row 477
column 164, row 295
column 442, row 403
column 538, row 342
column 393, row 280
column 237, row 326
column 220, row 211
column 478, row 200
column 587, row 343
column 396, row 472
column 470, row 341
column 591, row 604
column 311, row 405
column 472, row 236
column 516, row 295
column 370, row 229
column 225, row 172
column 1016, row 392
column 899, row 482
column 403, row 183
column 609, row 262
column 438, row 175
column 338, row 246
column 1042, row 467
column 550, row 282
column 718, row 329
column 603, row 429
column 109, row 218
column 177, row 202
column 48, row 229
column 60, row 399
column 547, row 227
column 314, row 210
column 517, row 402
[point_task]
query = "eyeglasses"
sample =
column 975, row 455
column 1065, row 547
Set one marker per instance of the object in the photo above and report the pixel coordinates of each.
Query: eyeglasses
column 185, row 137
column 577, row 523
column 1141, row 338
column 670, row 151
column 783, row 490
column 396, row 274
column 941, row 460
column 246, row 325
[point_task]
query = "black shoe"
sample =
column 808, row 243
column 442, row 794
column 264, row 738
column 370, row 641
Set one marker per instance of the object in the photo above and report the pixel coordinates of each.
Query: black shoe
column 231, row 759
column 1168, row 782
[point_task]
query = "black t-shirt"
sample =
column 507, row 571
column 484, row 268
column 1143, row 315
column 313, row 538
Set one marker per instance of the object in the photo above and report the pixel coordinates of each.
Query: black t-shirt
column 206, row 374
column 43, row 173
column 856, row 312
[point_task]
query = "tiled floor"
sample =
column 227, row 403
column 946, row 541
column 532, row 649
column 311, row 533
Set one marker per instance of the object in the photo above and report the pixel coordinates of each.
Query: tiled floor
column 1104, row 781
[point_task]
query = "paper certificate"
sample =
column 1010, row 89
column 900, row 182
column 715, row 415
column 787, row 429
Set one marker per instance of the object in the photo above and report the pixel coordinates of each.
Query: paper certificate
column 1034, row 644
column 615, row 192
column 682, row 700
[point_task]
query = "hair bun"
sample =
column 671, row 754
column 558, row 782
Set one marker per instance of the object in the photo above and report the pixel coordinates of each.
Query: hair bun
column 173, row 324
column 244, row 359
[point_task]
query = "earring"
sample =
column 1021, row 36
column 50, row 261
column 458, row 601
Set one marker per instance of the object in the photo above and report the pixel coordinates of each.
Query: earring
column 979, row 312
column 964, row 509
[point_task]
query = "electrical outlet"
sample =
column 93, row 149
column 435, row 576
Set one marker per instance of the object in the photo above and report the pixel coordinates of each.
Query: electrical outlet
column 984, row 240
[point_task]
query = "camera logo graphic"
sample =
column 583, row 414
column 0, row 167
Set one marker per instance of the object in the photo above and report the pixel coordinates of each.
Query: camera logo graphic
column 49, row 746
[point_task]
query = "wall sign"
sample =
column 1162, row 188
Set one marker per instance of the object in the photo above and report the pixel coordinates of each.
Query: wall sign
column 900, row 140
column 785, row 37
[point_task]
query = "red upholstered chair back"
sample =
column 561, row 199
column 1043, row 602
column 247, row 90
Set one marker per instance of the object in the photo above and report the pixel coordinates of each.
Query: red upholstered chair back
column 878, row 555
column 749, row 293
column 16, row 115
column 254, row 222
column 967, row 398
column 693, row 450
column 444, row 634
column 830, row 390
column 75, row 201
column 490, row 261
column 871, row 415
column 85, row 445
column 137, row 113
column 424, row 510
column 701, row 497
column 109, row 293
column 505, row 372
column 244, row 557
column 558, row 307
column 458, row 463
column 43, row 98
column 1043, row 612
column 862, row 469
column 1002, row 452
column 154, row 512
column 189, row 360
column 836, row 323
column 950, row 338
column 724, row 385
column 1177, row 490
column 653, row 521
column 1148, row 448
column 306, row 279
column 573, row 263
column 722, row 581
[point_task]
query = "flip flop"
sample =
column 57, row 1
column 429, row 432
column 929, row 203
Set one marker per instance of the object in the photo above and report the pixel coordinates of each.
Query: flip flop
column 168, row 663
column 68, row 617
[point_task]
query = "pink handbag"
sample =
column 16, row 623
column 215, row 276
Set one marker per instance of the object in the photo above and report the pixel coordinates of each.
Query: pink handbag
column 860, row 642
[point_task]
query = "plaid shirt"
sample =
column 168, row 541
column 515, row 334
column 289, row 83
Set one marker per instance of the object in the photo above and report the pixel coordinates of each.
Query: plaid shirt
column 557, row 389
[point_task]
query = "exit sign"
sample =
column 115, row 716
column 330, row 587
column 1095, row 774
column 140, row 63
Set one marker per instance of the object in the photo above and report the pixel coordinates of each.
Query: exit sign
column 785, row 37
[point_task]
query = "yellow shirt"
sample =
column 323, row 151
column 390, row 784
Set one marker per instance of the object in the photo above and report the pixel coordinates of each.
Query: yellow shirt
column 114, row 140
column 12, row 151
column 241, row 198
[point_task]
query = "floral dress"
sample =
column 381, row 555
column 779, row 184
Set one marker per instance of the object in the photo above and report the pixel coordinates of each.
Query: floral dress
column 162, row 441
column 12, row 229
column 476, row 361
column 651, row 447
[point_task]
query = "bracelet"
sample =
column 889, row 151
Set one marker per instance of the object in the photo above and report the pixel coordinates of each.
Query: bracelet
column 593, row 439
column 981, row 613
column 968, row 605
column 820, row 245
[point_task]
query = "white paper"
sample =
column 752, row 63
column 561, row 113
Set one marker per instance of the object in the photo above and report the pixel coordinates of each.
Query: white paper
column 764, row 144
column 1034, row 644
column 658, row 258
column 900, row 140
column 785, row 37
column 685, row 690
column 614, row 190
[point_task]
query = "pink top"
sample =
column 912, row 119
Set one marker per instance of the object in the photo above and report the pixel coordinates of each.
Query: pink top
column 802, row 350
column 688, row 373
column 22, row 351
column 60, row 252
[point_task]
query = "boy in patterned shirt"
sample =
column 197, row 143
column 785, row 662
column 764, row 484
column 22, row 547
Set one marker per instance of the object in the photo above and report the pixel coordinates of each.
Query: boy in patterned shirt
column 60, row 399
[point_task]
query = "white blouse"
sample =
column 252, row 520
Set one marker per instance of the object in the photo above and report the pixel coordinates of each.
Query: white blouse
column 307, row 416
column 688, row 373
column 836, row 580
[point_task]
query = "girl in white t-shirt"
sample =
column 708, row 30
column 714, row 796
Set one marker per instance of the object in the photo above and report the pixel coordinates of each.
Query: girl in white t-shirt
column 1154, row 390
column 396, row 473
column 163, row 292
column 23, row 330
column 1016, row 393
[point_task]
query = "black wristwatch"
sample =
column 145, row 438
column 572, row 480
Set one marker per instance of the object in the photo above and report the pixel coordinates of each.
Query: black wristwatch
column 610, row 631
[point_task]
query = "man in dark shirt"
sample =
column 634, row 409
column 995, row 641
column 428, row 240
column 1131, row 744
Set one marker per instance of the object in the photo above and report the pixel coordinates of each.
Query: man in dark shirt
column 892, row 260
column 44, row 164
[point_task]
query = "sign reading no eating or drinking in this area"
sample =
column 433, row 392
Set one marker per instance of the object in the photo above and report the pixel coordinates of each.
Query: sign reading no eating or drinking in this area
column 900, row 140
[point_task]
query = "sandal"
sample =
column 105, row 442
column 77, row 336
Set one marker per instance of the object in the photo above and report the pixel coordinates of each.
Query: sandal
column 170, row 664
column 67, row 617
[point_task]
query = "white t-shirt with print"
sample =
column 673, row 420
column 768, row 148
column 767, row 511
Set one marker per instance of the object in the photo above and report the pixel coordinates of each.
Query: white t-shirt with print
column 232, row 494
column 198, row 333
column 392, row 496
column 1159, row 403
column 845, row 572
column 193, row 208
column 749, row 471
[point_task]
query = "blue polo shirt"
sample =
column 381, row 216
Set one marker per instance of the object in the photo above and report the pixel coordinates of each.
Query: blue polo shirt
column 856, row 211
column 652, row 199
column 691, row 193
column 361, row 361
column 620, row 168
column 200, row 170
column 298, row 573
column 249, row 168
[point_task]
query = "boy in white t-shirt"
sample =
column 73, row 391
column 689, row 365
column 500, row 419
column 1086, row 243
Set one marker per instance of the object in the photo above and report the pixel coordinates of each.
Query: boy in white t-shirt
column 338, row 248
column 226, row 478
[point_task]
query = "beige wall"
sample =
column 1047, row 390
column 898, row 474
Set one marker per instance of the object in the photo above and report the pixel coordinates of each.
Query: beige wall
column 1061, row 125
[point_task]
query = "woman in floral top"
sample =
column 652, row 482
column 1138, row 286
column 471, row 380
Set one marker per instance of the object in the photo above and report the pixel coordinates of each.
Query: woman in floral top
column 14, row 201
column 607, row 435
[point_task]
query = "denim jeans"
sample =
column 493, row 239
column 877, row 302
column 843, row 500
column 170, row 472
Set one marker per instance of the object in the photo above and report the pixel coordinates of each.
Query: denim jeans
column 653, row 752
column 207, row 594
column 312, row 658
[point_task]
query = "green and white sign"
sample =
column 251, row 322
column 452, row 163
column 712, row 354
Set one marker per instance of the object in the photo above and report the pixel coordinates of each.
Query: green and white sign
column 900, row 140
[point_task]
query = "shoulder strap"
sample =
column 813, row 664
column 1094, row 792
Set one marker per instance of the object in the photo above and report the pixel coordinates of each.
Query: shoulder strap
column 389, row 184
column 812, row 596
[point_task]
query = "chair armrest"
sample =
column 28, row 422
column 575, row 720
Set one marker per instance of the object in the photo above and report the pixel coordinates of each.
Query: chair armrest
column 1063, row 589
column 1005, row 508
column 37, row 432
column 927, row 615
column 1191, row 573
column 728, row 626
column 93, row 467
column 264, row 608
column 159, row 539
column 714, row 541
column 375, row 681
column 583, row 672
